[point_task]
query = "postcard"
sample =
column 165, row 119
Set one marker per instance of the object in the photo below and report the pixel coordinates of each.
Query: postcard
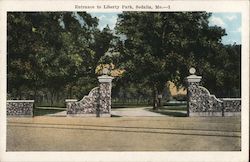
column 124, row 80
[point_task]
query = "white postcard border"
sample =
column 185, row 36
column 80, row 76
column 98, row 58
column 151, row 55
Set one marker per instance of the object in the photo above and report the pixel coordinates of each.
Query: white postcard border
column 56, row 5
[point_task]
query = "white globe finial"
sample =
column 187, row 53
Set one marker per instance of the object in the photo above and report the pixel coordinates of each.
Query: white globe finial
column 105, row 71
column 192, row 70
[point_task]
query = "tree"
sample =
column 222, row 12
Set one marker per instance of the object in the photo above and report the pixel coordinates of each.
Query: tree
column 223, row 75
column 163, row 46
column 53, row 51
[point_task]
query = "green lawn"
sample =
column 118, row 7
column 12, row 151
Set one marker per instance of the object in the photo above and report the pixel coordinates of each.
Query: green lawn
column 41, row 111
column 55, row 104
column 134, row 104
column 179, row 108
column 119, row 105
column 176, row 111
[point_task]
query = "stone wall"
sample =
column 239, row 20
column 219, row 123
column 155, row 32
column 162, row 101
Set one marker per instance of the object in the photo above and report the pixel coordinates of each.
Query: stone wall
column 231, row 106
column 87, row 105
column 20, row 107
column 97, row 103
column 202, row 103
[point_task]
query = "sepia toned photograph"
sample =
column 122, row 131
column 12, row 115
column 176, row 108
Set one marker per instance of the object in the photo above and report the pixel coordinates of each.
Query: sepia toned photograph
column 92, row 81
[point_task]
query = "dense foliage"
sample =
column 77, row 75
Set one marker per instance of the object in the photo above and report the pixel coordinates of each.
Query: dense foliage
column 163, row 46
column 54, row 55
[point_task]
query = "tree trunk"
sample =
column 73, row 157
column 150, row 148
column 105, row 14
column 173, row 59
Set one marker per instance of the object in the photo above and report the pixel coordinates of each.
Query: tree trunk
column 159, row 92
column 19, row 94
column 47, row 97
column 155, row 99
column 51, row 97
column 57, row 96
column 35, row 96
column 159, row 102
column 70, row 91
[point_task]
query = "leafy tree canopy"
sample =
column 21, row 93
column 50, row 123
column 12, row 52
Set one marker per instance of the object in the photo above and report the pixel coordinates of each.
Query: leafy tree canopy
column 163, row 46
column 53, row 49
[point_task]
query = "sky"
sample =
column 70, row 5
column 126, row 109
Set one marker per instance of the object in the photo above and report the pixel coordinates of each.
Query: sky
column 229, row 20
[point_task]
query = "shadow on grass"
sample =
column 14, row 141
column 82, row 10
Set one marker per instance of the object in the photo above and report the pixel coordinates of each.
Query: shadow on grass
column 170, row 113
column 174, row 114
column 180, row 108
column 42, row 112
column 128, row 106
column 112, row 115
column 175, row 104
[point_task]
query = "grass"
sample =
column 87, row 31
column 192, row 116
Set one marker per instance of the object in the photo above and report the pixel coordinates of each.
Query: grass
column 134, row 104
column 55, row 104
column 112, row 115
column 58, row 106
column 114, row 104
column 169, row 113
column 179, row 108
column 175, row 111
column 165, row 110
column 128, row 105
column 174, row 104
column 44, row 111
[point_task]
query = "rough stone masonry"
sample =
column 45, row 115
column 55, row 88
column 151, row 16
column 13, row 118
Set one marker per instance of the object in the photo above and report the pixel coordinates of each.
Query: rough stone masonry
column 20, row 107
column 202, row 103
column 97, row 103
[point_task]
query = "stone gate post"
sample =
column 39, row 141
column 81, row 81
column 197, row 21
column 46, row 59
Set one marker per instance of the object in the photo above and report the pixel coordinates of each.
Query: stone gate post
column 104, row 105
column 192, row 84
column 200, row 101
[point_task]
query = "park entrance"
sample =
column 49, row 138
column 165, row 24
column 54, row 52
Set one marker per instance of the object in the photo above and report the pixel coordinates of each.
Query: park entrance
column 98, row 103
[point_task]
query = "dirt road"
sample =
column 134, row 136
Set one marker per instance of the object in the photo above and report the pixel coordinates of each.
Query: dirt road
column 123, row 134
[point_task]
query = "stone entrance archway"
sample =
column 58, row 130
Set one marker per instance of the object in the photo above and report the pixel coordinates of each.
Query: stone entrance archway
column 96, row 103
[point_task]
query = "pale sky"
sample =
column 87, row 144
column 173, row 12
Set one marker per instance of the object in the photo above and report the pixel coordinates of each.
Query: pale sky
column 230, row 21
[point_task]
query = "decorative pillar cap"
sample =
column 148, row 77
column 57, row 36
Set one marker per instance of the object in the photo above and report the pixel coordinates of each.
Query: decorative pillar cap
column 193, row 78
column 192, row 70
column 105, row 79
column 105, row 71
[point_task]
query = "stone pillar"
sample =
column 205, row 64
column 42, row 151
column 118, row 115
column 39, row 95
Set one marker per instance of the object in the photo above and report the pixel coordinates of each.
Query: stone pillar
column 104, row 107
column 68, row 103
column 192, row 85
column 200, row 101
